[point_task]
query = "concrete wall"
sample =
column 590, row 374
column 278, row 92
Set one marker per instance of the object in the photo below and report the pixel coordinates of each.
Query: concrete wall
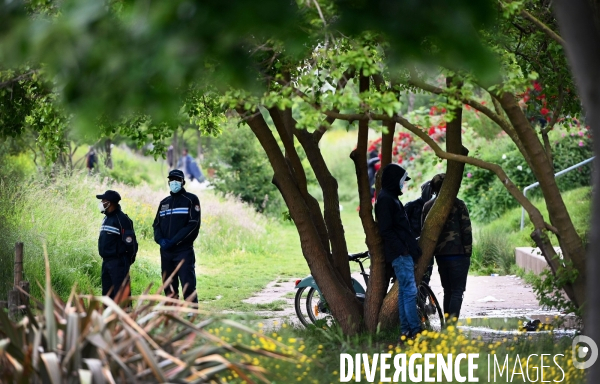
column 531, row 259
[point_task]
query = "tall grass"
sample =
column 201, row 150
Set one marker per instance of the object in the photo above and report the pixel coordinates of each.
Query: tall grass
column 494, row 243
column 62, row 212
column 492, row 251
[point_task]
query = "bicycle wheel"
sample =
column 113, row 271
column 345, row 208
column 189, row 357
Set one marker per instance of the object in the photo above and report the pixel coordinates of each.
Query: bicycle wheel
column 300, row 306
column 429, row 309
column 316, row 306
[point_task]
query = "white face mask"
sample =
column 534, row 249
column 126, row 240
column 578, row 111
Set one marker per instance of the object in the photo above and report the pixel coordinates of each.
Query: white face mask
column 402, row 179
column 101, row 206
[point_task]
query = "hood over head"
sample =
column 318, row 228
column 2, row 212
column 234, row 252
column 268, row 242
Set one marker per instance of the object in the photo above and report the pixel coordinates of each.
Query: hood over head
column 426, row 191
column 390, row 179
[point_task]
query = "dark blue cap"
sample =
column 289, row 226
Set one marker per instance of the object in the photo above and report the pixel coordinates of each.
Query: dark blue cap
column 176, row 174
column 112, row 196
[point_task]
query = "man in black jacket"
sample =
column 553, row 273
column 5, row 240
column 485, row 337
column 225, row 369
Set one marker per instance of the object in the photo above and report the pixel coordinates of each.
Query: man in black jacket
column 116, row 245
column 176, row 226
column 400, row 246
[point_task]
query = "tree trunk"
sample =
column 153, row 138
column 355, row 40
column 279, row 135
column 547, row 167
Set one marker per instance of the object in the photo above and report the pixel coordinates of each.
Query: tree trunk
column 297, row 171
column 331, row 203
column 443, row 203
column 570, row 242
column 376, row 287
column 342, row 301
column 580, row 27
column 108, row 149
column 199, row 147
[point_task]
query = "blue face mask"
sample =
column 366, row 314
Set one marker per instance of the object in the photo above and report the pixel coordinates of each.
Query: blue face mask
column 401, row 185
column 175, row 186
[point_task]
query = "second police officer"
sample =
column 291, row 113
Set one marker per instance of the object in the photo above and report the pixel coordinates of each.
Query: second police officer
column 176, row 226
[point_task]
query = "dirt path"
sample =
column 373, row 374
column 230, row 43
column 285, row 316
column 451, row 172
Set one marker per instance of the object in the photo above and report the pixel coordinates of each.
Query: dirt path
column 486, row 296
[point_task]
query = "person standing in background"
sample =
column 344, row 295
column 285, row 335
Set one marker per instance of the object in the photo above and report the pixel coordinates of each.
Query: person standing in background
column 91, row 160
column 453, row 250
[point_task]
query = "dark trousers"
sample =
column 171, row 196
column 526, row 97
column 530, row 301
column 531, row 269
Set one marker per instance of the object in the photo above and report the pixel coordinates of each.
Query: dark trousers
column 453, row 274
column 115, row 273
column 186, row 274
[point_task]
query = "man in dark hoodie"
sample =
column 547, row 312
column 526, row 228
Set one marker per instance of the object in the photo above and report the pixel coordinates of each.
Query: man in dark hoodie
column 453, row 250
column 414, row 211
column 400, row 245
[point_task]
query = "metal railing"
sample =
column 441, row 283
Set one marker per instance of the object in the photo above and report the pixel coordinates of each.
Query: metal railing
column 527, row 188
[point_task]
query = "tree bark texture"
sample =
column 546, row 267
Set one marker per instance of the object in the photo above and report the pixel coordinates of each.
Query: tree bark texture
column 570, row 242
column 331, row 203
column 442, row 207
column 376, row 288
column 342, row 301
column 297, row 172
column 580, row 27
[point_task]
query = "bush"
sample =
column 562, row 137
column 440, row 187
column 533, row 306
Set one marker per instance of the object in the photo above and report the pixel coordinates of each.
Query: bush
column 488, row 199
column 242, row 169
column 93, row 337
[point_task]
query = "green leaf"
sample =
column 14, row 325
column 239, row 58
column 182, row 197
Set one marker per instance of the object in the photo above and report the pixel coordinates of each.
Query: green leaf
column 52, row 365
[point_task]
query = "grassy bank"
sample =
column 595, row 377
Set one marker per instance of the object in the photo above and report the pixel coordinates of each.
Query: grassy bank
column 494, row 242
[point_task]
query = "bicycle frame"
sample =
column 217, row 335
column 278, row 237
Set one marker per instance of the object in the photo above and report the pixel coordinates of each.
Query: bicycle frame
column 309, row 281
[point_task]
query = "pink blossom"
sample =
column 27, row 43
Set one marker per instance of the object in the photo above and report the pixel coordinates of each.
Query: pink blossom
column 580, row 133
column 563, row 135
column 469, row 175
column 581, row 143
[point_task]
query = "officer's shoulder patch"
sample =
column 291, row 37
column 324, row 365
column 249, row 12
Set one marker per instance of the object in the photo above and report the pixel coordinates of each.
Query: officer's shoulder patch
column 164, row 207
column 197, row 208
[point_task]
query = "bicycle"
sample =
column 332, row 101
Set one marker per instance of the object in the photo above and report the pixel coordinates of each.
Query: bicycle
column 428, row 307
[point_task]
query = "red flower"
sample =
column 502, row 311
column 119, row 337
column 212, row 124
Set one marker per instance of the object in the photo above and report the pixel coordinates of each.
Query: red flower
column 537, row 86
column 544, row 111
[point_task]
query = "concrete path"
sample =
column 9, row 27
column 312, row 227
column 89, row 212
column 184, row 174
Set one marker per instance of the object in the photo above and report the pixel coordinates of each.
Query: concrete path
column 486, row 296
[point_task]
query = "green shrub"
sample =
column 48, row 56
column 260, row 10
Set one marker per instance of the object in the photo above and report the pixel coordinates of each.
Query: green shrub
column 242, row 169
column 487, row 198
column 158, row 339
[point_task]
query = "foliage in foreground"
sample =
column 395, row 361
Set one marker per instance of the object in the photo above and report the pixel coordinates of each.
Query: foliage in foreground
column 455, row 339
column 93, row 339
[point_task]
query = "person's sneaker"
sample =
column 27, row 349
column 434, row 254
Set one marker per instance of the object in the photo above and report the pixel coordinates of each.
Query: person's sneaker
column 415, row 335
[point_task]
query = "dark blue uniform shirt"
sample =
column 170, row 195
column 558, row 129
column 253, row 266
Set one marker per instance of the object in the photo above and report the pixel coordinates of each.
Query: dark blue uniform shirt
column 178, row 220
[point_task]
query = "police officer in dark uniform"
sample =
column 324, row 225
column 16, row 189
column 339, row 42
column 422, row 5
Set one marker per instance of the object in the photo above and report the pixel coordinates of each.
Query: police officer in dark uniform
column 117, row 244
column 176, row 226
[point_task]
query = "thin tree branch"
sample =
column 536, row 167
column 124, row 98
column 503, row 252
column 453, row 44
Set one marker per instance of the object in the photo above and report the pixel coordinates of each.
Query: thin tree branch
column 543, row 27
column 24, row 76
